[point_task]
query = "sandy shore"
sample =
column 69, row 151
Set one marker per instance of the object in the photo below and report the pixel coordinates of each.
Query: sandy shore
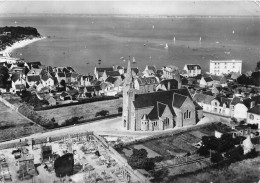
column 20, row 44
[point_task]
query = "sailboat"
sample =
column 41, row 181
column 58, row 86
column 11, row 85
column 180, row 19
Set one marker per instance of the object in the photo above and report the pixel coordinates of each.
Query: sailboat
column 153, row 26
column 134, row 61
column 166, row 46
column 233, row 32
column 200, row 39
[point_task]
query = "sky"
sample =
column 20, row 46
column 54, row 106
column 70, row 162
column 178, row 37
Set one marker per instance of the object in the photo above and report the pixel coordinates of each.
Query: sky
column 143, row 7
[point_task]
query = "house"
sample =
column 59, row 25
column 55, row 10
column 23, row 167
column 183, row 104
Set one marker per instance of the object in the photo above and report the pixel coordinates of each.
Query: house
column 32, row 65
column 98, row 72
column 33, row 80
column 192, row 69
column 150, row 69
column 161, row 110
column 68, row 77
column 206, row 81
column 238, row 108
column 60, row 76
column 107, row 74
column 65, row 96
column 86, row 80
column 253, row 115
column 113, row 86
column 167, row 84
column 51, row 100
column 169, row 72
column 219, row 80
column 118, row 68
column 18, row 83
column 47, row 80
column 145, row 85
column 92, row 91
column 74, row 77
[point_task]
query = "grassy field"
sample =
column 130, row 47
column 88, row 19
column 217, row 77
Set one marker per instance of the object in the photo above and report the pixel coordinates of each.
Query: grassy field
column 88, row 110
column 13, row 125
column 239, row 172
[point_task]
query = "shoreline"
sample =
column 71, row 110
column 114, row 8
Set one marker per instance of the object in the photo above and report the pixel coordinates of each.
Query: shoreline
column 20, row 44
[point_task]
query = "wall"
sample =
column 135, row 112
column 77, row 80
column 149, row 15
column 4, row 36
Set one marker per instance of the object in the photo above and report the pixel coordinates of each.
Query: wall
column 138, row 115
column 240, row 111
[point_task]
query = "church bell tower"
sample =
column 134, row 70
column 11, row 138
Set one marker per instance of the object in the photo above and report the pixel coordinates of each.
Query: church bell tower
column 128, row 95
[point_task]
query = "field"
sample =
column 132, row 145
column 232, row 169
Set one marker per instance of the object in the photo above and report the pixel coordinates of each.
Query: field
column 239, row 172
column 13, row 125
column 88, row 110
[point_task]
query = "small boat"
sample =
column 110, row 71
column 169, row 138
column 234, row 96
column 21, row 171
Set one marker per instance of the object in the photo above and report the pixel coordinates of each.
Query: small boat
column 233, row 32
column 200, row 39
column 134, row 61
column 166, row 46
column 174, row 39
column 153, row 26
column 15, row 22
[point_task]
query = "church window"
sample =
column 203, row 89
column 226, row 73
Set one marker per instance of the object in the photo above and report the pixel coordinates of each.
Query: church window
column 251, row 116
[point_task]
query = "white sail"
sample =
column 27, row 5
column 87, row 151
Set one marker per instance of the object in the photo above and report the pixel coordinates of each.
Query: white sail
column 200, row 39
column 233, row 32
column 134, row 60
column 166, row 46
column 153, row 26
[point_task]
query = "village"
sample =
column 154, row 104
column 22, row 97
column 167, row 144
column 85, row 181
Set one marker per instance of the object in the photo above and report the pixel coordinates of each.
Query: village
column 180, row 112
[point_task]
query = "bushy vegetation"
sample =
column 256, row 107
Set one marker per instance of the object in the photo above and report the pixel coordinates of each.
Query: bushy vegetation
column 72, row 121
column 139, row 160
column 64, row 165
column 34, row 116
column 32, row 99
column 17, row 33
column 3, row 77
column 102, row 113
column 226, row 145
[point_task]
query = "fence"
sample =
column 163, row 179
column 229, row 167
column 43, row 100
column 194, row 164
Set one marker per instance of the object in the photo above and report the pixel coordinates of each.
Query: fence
column 42, row 140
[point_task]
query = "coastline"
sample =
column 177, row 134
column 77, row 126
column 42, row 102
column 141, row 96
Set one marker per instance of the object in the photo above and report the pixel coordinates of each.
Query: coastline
column 20, row 44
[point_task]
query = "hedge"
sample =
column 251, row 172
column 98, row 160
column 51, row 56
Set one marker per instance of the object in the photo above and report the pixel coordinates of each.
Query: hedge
column 34, row 116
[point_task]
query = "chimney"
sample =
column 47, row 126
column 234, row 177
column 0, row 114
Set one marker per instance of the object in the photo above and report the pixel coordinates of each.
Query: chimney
column 252, row 104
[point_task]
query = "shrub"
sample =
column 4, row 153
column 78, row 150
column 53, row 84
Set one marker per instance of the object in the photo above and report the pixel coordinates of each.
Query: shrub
column 120, row 109
column 64, row 165
column 216, row 157
column 203, row 151
column 102, row 113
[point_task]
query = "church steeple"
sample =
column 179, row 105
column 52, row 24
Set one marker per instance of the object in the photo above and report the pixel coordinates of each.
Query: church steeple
column 129, row 77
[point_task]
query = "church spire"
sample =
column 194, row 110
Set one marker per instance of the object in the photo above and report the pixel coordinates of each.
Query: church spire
column 128, row 78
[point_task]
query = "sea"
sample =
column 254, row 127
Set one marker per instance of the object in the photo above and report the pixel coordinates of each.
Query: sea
column 86, row 42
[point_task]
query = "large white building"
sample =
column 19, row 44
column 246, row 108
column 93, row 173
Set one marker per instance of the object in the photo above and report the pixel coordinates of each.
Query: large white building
column 218, row 67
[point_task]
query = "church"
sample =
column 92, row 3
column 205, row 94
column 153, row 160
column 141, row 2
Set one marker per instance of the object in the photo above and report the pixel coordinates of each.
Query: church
column 157, row 109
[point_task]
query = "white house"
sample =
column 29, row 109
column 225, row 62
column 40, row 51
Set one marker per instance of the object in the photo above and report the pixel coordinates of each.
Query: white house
column 192, row 69
column 18, row 82
column 47, row 80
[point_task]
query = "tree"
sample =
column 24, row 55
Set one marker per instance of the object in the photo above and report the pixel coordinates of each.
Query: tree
column 120, row 109
column 63, row 83
column 4, row 76
column 203, row 151
column 257, row 66
column 235, row 154
column 64, row 165
column 216, row 157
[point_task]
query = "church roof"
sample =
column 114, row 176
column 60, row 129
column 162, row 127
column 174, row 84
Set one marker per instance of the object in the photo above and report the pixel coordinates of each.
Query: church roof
column 159, row 101
column 255, row 109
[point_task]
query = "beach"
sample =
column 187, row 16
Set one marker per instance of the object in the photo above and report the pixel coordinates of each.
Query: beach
column 20, row 44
